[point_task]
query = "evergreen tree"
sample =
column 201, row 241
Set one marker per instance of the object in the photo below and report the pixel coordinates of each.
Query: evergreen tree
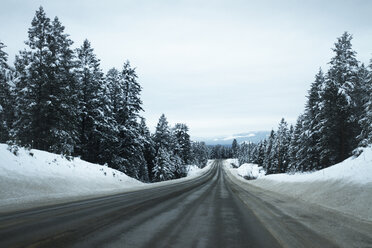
column 260, row 153
column 312, row 122
column 365, row 98
column 163, row 169
column 6, row 97
column 183, row 140
column 338, row 124
column 269, row 154
column 92, row 122
column 164, row 166
column 280, row 148
column 200, row 153
column 45, row 88
column 126, row 116
column 148, row 148
column 162, row 136
column 234, row 149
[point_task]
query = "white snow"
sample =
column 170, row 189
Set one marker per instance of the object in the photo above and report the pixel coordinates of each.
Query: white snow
column 346, row 186
column 194, row 171
column 35, row 178
column 352, row 170
column 250, row 171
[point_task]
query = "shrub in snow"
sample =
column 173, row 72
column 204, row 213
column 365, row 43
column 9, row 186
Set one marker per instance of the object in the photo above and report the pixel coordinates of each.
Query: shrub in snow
column 13, row 149
column 250, row 171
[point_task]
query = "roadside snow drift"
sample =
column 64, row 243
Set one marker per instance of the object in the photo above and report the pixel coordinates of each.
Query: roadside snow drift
column 346, row 187
column 35, row 178
column 250, row 171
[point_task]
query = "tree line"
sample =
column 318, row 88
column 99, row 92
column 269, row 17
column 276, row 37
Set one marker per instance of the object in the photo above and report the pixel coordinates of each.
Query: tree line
column 335, row 124
column 58, row 99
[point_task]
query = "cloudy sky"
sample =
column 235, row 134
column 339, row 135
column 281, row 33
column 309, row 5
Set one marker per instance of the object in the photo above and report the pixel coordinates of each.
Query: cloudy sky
column 222, row 67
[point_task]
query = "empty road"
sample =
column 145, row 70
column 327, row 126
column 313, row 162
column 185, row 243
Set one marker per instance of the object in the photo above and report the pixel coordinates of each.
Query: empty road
column 209, row 211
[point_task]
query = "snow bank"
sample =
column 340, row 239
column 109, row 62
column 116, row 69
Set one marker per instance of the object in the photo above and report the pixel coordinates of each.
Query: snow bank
column 34, row 176
column 352, row 170
column 250, row 171
column 194, row 171
column 345, row 187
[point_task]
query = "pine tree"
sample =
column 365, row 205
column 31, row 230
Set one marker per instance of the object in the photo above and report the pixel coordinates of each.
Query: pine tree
column 45, row 87
column 162, row 136
column 280, row 148
column 234, row 148
column 312, row 122
column 297, row 152
column 148, row 148
column 338, row 124
column 365, row 100
column 269, row 153
column 92, row 122
column 163, row 169
column 180, row 132
column 6, row 97
column 164, row 166
column 32, row 85
column 200, row 153
column 63, row 92
column 260, row 156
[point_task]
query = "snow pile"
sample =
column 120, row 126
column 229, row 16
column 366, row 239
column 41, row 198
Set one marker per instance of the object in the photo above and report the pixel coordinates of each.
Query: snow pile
column 353, row 170
column 34, row 176
column 250, row 171
column 195, row 171
column 232, row 163
column 345, row 187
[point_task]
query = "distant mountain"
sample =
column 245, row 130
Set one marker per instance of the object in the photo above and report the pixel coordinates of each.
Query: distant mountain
column 255, row 136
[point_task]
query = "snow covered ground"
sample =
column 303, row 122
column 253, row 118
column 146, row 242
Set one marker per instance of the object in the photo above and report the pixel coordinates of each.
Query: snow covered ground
column 250, row 171
column 346, row 187
column 34, row 178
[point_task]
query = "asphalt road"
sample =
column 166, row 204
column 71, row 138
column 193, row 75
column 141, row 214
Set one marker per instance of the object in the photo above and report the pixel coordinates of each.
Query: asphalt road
column 209, row 211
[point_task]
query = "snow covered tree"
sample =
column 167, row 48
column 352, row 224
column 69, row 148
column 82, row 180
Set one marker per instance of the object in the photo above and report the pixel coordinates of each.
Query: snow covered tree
column 246, row 152
column 183, row 140
column 93, row 123
column 338, row 124
column 45, row 88
column 297, row 151
column 234, row 149
column 164, row 167
column 126, row 105
column 280, row 149
column 312, row 122
column 200, row 153
column 260, row 153
column 365, row 98
column 269, row 153
column 6, row 97
column 148, row 149
column 162, row 136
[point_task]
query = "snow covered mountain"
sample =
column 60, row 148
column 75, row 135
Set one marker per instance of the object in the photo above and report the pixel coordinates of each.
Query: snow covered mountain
column 254, row 136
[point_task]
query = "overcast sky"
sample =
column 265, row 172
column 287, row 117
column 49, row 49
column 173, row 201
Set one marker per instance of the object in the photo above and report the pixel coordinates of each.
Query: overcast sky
column 222, row 67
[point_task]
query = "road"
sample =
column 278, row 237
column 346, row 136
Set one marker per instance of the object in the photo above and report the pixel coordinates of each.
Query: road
column 209, row 211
